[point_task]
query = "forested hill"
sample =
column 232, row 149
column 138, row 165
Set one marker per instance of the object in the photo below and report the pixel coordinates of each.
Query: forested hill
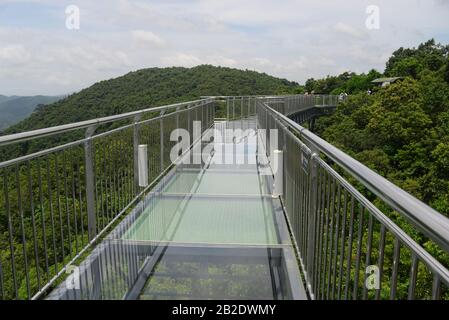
column 152, row 87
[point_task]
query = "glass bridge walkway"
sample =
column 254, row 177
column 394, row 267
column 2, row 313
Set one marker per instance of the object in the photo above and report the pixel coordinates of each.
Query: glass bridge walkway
column 205, row 231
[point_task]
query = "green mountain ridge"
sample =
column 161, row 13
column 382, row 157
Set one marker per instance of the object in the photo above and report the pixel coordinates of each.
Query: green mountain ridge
column 6, row 98
column 150, row 88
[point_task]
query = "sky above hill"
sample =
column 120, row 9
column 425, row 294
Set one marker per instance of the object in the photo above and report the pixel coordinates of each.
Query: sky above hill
column 42, row 50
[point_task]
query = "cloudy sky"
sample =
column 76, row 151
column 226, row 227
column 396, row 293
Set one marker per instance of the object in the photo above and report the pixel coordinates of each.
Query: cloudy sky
column 293, row 39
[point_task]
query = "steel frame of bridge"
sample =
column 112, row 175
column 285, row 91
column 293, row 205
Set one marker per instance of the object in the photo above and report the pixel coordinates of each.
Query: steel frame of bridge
column 71, row 194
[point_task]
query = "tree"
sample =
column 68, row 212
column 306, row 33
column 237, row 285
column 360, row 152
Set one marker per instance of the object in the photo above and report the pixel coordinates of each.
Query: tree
column 446, row 71
column 310, row 85
column 408, row 67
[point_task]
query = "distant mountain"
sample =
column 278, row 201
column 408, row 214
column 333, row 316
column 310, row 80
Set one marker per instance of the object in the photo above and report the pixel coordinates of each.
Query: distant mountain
column 14, row 109
column 6, row 98
column 150, row 88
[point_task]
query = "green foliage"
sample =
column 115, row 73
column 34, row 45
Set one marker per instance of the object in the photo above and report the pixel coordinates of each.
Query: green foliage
column 402, row 132
column 435, row 92
column 446, row 71
column 397, row 116
column 348, row 82
column 410, row 62
column 150, row 88
column 409, row 67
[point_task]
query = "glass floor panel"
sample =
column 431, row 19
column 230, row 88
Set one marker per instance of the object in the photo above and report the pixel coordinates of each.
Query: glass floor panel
column 224, row 182
column 206, row 219
column 234, row 275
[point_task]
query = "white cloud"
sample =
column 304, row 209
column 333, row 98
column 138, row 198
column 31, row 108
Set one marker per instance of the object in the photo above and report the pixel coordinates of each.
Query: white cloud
column 147, row 37
column 348, row 30
column 182, row 59
column 290, row 39
column 262, row 62
column 189, row 60
column 14, row 55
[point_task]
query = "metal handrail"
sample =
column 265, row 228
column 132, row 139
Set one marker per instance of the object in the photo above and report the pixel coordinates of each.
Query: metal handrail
column 40, row 133
column 429, row 221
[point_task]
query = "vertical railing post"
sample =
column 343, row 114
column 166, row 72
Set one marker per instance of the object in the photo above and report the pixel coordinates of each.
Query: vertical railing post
column 241, row 112
column 284, row 158
column 278, row 171
column 285, row 105
column 142, row 159
column 196, row 113
column 267, row 135
column 214, row 107
column 255, row 105
column 201, row 112
column 136, row 142
column 312, row 214
column 202, row 117
column 177, row 117
column 233, row 108
column 162, row 139
column 178, row 109
column 189, row 120
column 90, row 187
column 206, row 107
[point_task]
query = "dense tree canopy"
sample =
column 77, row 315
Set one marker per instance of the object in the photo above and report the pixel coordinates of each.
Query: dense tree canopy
column 348, row 82
column 410, row 62
column 402, row 131
column 152, row 87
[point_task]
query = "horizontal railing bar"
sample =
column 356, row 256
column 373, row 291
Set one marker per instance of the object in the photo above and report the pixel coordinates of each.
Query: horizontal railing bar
column 227, row 97
column 81, row 141
column 429, row 221
column 319, row 106
column 72, row 144
column 40, row 133
column 41, row 153
column 147, row 121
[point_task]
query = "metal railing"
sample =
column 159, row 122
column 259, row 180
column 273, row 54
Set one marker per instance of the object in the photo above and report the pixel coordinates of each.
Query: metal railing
column 296, row 104
column 58, row 202
column 348, row 247
column 300, row 107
